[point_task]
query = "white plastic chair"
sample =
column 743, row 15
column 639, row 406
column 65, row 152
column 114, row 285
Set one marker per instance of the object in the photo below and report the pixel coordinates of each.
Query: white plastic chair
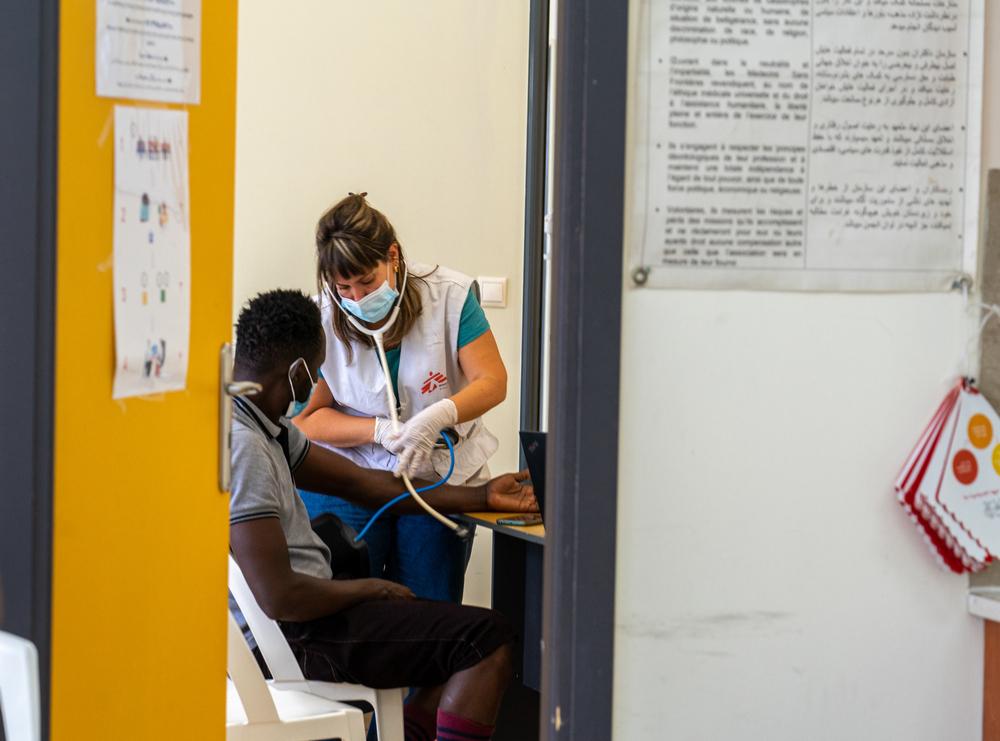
column 387, row 704
column 19, row 695
column 258, row 711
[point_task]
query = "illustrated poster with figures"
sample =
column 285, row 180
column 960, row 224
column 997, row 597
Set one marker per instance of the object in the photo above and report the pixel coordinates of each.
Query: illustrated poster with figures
column 152, row 251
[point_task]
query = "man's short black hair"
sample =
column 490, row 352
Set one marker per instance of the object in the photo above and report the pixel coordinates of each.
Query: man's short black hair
column 275, row 328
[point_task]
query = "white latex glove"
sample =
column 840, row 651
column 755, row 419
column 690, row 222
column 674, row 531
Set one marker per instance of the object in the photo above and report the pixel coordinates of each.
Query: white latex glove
column 416, row 440
column 384, row 436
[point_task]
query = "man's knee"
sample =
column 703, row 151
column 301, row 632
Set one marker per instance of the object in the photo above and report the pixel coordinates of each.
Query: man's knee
column 501, row 661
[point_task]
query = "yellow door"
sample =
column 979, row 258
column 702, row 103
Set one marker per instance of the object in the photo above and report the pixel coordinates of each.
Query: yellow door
column 140, row 528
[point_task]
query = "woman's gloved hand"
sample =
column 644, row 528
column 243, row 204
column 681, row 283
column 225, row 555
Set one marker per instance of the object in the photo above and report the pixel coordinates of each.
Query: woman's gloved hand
column 384, row 436
column 415, row 441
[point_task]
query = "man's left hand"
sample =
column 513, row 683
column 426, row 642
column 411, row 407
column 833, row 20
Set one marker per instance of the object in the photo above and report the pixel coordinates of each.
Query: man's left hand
column 511, row 492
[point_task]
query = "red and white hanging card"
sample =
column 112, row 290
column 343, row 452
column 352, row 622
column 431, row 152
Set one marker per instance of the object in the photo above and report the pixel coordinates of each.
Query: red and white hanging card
column 957, row 538
column 970, row 488
column 909, row 480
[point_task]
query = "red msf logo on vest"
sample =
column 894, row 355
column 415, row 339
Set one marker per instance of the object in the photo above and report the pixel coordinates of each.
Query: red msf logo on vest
column 434, row 381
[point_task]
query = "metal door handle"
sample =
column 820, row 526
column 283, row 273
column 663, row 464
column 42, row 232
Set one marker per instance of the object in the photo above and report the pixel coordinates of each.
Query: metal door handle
column 229, row 388
column 243, row 388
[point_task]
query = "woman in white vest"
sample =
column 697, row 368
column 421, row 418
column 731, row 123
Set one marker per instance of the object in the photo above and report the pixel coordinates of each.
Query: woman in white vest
column 447, row 372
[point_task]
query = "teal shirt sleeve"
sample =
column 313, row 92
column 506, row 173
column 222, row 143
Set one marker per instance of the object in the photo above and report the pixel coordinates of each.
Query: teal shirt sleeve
column 473, row 323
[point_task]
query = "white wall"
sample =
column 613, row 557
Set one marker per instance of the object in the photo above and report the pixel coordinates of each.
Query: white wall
column 423, row 105
column 768, row 585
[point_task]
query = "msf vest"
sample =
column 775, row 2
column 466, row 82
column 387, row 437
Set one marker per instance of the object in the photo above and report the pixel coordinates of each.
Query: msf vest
column 428, row 372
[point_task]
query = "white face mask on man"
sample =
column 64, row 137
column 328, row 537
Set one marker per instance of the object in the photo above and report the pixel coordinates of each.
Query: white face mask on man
column 292, row 370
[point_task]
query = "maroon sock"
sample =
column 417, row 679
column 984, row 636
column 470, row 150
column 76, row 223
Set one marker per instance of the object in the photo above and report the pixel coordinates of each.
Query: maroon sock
column 456, row 728
column 418, row 724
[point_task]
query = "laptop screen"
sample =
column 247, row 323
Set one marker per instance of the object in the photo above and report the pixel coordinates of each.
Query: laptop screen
column 533, row 445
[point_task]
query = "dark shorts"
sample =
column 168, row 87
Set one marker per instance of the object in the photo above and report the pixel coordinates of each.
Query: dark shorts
column 388, row 644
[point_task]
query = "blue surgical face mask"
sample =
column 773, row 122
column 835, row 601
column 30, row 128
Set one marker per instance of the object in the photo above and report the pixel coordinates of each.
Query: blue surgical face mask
column 375, row 306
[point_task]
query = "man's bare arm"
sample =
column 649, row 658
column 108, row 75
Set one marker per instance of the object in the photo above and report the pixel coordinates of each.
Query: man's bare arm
column 326, row 472
column 261, row 551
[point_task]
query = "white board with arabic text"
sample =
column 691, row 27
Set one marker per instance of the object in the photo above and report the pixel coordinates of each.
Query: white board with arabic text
column 806, row 144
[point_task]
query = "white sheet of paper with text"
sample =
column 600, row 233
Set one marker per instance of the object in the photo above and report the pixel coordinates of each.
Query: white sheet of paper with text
column 152, row 265
column 149, row 50
column 806, row 144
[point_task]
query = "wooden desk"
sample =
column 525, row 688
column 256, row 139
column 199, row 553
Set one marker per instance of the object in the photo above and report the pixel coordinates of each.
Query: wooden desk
column 517, row 593
column 533, row 534
column 517, row 587
column 985, row 603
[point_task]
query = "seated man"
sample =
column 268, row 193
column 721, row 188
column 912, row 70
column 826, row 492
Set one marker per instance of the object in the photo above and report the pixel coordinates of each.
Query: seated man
column 366, row 631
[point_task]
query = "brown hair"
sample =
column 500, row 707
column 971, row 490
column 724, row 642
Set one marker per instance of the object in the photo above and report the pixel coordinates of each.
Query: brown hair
column 351, row 239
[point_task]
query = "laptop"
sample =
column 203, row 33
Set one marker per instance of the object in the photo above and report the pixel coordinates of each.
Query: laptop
column 533, row 447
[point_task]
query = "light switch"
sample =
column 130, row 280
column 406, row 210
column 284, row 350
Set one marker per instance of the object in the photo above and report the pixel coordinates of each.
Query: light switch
column 494, row 291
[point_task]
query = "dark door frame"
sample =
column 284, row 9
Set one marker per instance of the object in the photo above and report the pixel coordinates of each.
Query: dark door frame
column 590, row 115
column 29, row 46
column 534, row 217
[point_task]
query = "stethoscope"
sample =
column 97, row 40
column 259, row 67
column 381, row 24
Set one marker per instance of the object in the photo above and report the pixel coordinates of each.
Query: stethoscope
column 376, row 335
